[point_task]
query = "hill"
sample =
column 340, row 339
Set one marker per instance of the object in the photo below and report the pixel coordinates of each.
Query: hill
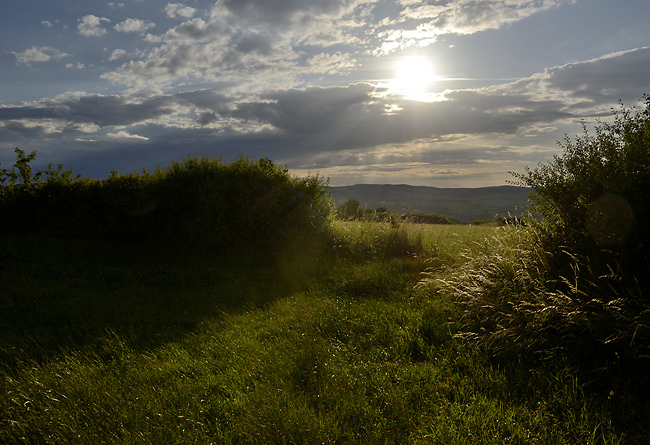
column 462, row 204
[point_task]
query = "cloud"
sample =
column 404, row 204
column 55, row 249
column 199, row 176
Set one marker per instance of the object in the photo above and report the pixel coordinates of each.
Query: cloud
column 99, row 110
column 619, row 75
column 354, row 117
column 36, row 55
column 253, row 45
column 90, row 26
column 338, row 118
column 168, row 63
column 331, row 63
column 47, row 23
column 77, row 65
column 281, row 11
column 471, row 16
column 234, row 50
column 309, row 22
column 117, row 54
column 428, row 21
column 339, row 129
column 78, row 112
column 133, row 25
column 193, row 30
column 125, row 135
column 179, row 11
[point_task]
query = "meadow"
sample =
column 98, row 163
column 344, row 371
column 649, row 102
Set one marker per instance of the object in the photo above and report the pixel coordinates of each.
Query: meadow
column 123, row 343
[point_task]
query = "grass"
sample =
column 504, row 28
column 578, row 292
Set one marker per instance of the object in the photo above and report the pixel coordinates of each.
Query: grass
column 123, row 344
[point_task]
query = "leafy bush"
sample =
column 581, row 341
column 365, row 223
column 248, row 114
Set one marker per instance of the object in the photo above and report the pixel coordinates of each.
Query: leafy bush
column 199, row 201
column 576, row 283
column 594, row 198
column 350, row 210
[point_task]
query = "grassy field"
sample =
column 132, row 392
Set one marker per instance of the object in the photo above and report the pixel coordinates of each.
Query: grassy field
column 121, row 343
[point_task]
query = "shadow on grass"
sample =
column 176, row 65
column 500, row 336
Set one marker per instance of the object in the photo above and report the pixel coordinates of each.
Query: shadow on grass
column 58, row 295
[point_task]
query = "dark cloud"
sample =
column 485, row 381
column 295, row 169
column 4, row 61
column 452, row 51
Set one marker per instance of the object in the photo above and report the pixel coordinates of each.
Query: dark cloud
column 341, row 118
column 254, row 43
column 616, row 76
column 353, row 117
column 14, row 132
column 100, row 110
column 283, row 11
column 207, row 118
column 107, row 111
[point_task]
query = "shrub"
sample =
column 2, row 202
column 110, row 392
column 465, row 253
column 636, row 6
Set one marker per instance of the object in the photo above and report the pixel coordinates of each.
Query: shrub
column 576, row 283
column 198, row 201
column 594, row 197
column 350, row 210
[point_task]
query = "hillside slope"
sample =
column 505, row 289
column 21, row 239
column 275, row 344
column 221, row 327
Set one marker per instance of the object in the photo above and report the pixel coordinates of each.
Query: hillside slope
column 463, row 204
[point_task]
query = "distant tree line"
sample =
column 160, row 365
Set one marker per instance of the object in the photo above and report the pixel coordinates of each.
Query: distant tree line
column 351, row 210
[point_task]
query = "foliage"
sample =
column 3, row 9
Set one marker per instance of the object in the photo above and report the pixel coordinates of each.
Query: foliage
column 350, row 210
column 594, row 197
column 574, row 285
column 201, row 201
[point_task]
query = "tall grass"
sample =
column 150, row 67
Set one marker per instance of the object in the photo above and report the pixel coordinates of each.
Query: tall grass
column 516, row 306
column 514, row 301
column 376, row 240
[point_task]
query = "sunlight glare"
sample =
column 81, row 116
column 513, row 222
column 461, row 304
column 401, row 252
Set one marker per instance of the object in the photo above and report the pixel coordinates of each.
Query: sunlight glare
column 413, row 75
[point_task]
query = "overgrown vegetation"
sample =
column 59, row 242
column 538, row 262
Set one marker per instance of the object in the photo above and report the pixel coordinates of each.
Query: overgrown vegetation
column 197, row 201
column 575, row 286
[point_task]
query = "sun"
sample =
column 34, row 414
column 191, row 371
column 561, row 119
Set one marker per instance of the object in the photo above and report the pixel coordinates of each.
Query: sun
column 413, row 76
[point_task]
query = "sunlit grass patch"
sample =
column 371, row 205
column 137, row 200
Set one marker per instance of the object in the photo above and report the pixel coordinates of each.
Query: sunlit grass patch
column 376, row 240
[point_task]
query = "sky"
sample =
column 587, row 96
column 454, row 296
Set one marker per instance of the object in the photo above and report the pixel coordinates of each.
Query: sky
column 444, row 93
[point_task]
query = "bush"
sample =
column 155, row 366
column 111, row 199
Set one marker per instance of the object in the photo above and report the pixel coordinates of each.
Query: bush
column 576, row 283
column 594, row 197
column 198, row 201
column 350, row 210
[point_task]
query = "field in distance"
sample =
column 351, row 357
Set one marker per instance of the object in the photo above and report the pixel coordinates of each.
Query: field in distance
column 461, row 204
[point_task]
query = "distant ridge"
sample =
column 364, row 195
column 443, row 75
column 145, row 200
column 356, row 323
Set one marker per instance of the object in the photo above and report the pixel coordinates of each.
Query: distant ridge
column 462, row 204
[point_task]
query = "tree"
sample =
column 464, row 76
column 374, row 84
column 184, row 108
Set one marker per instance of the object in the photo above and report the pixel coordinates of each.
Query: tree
column 349, row 210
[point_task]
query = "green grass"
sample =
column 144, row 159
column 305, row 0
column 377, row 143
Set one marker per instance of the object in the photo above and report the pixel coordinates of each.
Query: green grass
column 104, row 342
